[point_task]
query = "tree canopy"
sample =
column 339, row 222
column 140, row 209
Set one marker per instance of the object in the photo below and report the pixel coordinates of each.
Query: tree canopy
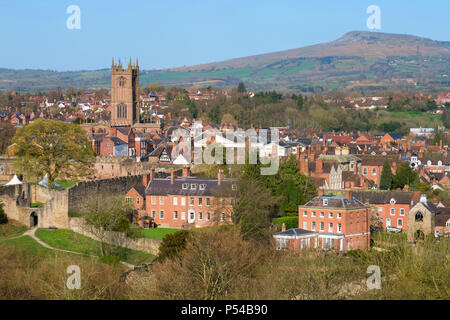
column 53, row 148
column 386, row 176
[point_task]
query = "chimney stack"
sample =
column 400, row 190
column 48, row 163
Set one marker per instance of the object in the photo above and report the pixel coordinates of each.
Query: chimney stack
column 185, row 172
column 152, row 174
column 172, row 177
column 146, row 179
column 220, row 176
column 283, row 227
column 348, row 194
column 423, row 198
column 320, row 192
column 319, row 165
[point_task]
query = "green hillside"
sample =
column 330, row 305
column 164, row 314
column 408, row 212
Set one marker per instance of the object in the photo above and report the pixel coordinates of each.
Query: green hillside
column 369, row 60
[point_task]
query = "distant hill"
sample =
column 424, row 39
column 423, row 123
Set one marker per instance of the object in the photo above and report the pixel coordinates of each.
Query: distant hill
column 369, row 60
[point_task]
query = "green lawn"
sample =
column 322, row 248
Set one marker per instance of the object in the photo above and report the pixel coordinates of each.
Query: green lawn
column 157, row 233
column 64, row 184
column 11, row 229
column 28, row 246
column 69, row 240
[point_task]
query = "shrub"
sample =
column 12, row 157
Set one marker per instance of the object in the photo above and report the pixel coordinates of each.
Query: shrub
column 173, row 244
column 290, row 222
column 3, row 218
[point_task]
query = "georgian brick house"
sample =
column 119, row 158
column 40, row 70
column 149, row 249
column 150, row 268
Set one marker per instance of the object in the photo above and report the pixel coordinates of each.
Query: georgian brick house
column 329, row 222
column 390, row 207
column 184, row 202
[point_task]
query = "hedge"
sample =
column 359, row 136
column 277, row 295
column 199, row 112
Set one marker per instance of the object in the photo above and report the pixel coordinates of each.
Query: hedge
column 290, row 221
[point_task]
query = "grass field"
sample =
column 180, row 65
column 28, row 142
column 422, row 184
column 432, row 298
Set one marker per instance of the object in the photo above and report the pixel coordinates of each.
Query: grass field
column 157, row 233
column 69, row 240
column 28, row 246
column 11, row 229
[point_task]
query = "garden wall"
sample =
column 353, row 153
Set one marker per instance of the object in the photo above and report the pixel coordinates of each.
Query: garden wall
column 117, row 238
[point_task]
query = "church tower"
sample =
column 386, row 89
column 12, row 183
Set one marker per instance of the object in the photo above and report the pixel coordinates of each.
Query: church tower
column 124, row 94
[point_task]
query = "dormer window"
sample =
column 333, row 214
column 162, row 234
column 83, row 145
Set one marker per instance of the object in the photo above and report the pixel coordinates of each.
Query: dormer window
column 325, row 202
column 193, row 186
column 392, row 201
column 185, row 186
column 202, row 187
column 233, row 187
column 429, row 162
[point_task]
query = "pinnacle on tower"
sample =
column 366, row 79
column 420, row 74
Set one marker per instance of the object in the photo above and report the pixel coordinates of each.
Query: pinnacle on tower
column 129, row 65
column 137, row 63
column 120, row 64
column 112, row 66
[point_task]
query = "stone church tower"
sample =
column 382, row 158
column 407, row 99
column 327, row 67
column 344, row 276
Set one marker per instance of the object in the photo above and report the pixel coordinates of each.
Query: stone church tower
column 124, row 94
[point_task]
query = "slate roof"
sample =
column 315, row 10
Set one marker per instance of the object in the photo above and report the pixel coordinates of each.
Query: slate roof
column 140, row 190
column 385, row 196
column 117, row 141
column 441, row 219
column 163, row 187
column 396, row 136
column 438, row 211
column 334, row 202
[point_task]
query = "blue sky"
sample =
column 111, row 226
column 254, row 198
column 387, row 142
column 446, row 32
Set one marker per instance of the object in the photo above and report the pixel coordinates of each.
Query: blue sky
column 172, row 33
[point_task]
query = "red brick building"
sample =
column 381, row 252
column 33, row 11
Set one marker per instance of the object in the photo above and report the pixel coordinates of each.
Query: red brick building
column 390, row 207
column 184, row 202
column 329, row 222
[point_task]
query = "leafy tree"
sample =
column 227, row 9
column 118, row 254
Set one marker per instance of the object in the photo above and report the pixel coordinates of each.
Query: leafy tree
column 3, row 218
column 55, row 148
column 254, row 210
column 386, row 178
column 437, row 138
column 108, row 217
column 173, row 244
column 300, row 102
column 291, row 186
column 405, row 176
column 241, row 88
column 6, row 133
column 193, row 110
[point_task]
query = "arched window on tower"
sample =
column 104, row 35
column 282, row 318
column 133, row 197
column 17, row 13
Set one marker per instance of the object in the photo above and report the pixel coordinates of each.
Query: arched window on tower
column 122, row 82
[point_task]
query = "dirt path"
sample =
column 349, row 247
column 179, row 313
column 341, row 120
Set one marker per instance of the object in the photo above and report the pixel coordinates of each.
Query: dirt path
column 32, row 234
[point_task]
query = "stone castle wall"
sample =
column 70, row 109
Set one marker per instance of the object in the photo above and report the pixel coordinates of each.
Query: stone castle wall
column 92, row 194
column 6, row 168
column 110, row 167
column 117, row 238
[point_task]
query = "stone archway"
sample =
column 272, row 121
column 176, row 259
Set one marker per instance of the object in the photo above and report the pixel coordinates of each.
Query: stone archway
column 419, row 235
column 34, row 219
